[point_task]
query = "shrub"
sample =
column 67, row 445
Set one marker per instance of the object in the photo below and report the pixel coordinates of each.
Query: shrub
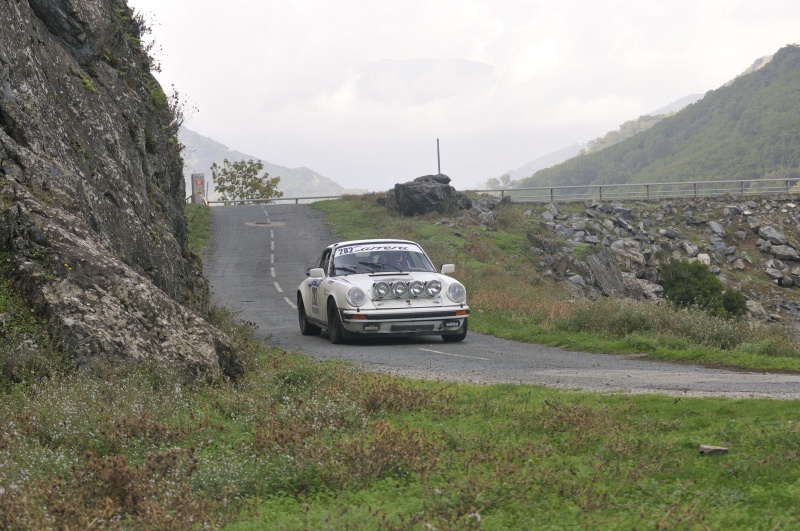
column 689, row 284
column 734, row 303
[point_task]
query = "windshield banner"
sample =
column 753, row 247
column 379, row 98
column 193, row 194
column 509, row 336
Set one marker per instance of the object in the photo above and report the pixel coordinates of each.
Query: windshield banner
column 353, row 249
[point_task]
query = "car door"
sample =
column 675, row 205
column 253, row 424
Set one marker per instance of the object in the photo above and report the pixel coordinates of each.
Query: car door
column 316, row 302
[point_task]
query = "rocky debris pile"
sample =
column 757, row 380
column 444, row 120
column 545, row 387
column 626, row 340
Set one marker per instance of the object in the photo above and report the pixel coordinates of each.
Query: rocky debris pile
column 486, row 209
column 632, row 243
column 423, row 195
column 616, row 249
column 91, row 176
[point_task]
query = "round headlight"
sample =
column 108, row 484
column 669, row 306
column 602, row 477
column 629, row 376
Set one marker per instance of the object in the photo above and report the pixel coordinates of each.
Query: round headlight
column 415, row 288
column 356, row 296
column 433, row 288
column 380, row 289
column 399, row 289
column 456, row 292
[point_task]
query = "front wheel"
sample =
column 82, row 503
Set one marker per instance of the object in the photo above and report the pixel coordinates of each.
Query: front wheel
column 306, row 328
column 455, row 338
column 335, row 330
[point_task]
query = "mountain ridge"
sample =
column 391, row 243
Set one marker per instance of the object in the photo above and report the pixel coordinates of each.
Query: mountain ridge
column 201, row 151
column 745, row 129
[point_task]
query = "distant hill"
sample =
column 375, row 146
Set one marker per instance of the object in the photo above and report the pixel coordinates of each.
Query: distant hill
column 677, row 105
column 551, row 159
column 747, row 129
column 202, row 151
column 624, row 131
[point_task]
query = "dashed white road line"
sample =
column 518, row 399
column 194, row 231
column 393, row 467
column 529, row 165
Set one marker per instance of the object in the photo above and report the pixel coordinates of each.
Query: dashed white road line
column 272, row 245
column 290, row 303
column 272, row 259
column 272, row 272
column 456, row 355
column 278, row 287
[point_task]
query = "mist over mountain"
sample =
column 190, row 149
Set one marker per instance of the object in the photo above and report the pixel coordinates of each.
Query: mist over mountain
column 551, row 159
column 676, row 105
column 202, row 151
column 746, row 129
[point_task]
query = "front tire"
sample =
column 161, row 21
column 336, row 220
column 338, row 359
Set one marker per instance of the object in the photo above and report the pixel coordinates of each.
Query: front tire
column 335, row 330
column 306, row 328
column 455, row 338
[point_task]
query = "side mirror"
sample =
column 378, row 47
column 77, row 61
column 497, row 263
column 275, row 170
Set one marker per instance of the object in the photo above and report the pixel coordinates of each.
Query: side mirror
column 316, row 272
column 448, row 268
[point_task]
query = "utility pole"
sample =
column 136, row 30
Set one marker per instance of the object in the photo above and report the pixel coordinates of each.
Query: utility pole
column 438, row 159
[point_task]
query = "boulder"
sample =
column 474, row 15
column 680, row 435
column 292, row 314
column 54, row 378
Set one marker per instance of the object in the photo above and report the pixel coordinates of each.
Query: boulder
column 429, row 193
column 716, row 228
column 755, row 310
column 607, row 276
column 772, row 235
column 784, row 252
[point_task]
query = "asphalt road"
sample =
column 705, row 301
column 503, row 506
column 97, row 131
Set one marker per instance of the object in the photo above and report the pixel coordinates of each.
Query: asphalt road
column 258, row 255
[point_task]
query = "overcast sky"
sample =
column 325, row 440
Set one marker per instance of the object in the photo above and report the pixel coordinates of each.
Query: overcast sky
column 359, row 90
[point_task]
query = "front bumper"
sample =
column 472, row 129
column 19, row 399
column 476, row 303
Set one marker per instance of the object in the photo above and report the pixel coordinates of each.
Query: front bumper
column 406, row 321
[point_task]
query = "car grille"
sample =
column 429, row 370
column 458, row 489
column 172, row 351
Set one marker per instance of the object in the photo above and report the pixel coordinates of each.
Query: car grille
column 411, row 328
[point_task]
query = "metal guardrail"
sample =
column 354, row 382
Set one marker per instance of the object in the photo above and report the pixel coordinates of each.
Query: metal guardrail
column 650, row 191
column 607, row 192
column 295, row 200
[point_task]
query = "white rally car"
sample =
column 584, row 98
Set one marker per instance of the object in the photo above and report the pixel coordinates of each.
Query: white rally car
column 381, row 287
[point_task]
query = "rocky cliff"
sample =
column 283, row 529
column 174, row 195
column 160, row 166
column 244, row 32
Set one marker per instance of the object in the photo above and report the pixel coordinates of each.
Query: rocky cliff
column 92, row 219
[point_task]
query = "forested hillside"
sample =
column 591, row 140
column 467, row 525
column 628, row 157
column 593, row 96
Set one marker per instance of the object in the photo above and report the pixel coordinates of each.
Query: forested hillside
column 749, row 129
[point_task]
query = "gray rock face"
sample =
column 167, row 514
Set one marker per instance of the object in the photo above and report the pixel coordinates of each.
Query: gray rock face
column 92, row 181
column 606, row 273
column 429, row 193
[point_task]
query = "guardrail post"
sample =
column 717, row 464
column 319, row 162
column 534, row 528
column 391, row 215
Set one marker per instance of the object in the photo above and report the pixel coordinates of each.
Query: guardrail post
column 695, row 189
column 647, row 191
column 600, row 190
column 551, row 195
column 742, row 187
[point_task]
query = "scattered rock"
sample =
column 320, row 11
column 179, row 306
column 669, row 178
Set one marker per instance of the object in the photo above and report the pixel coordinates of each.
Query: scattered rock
column 772, row 235
column 712, row 450
column 784, row 252
column 716, row 228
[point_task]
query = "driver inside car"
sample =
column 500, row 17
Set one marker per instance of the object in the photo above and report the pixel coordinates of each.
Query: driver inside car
column 394, row 259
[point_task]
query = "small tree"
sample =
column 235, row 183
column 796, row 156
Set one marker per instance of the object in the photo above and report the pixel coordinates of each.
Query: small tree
column 240, row 180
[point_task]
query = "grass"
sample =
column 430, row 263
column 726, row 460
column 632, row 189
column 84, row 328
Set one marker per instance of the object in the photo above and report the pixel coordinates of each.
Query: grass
column 509, row 298
column 298, row 444
column 198, row 218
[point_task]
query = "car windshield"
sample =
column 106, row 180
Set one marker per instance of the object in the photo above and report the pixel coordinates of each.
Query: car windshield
column 381, row 258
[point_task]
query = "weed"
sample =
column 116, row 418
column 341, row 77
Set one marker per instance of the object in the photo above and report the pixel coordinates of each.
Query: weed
column 87, row 83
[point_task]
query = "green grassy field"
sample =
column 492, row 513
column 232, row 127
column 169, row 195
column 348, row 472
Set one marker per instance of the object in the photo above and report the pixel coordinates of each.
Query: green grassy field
column 297, row 444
